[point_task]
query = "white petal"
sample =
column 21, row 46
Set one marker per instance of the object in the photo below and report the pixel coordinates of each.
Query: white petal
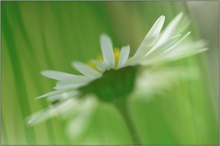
column 170, row 29
column 162, row 48
column 66, row 106
column 168, row 46
column 156, row 80
column 74, row 80
column 79, row 125
column 58, row 109
column 38, row 117
column 124, row 54
column 102, row 66
column 63, row 95
column 86, row 70
column 57, row 75
column 69, row 86
column 189, row 46
column 181, row 55
column 107, row 50
column 156, row 28
column 178, row 42
column 149, row 40
column 50, row 94
column 153, row 34
column 178, row 52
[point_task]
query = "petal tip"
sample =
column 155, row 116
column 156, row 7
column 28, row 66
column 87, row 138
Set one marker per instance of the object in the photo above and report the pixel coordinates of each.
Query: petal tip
column 44, row 72
column 104, row 36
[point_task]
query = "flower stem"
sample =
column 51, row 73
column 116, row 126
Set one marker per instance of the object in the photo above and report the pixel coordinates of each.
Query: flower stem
column 122, row 107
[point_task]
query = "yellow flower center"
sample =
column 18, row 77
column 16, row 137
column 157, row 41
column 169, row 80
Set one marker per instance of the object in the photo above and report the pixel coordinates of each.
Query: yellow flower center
column 100, row 58
column 117, row 55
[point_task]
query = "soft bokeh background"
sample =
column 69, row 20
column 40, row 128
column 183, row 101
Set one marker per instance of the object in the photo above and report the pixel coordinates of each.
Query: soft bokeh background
column 49, row 35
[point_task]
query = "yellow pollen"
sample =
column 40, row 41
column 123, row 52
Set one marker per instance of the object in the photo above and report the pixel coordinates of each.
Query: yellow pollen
column 100, row 58
column 117, row 55
column 92, row 65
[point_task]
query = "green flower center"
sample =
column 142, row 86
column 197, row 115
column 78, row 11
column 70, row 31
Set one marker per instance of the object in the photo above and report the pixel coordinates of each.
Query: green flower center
column 113, row 85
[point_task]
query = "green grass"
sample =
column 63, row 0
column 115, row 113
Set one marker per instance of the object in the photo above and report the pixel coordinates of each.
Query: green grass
column 49, row 35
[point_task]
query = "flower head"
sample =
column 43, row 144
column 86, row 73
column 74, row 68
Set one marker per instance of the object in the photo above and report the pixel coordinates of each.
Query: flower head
column 113, row 75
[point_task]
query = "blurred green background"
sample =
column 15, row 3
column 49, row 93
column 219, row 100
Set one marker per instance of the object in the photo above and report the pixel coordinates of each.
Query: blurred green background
column 38, row 36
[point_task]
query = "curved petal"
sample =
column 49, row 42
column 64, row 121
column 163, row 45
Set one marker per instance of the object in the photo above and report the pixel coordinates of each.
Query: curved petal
column 151, row 36
column 159, row 50
column 157, row 80
column 180, row 55
column 149, row 40
column 178, row 42
column 107, row 50
column 57, row 75
column 124, row 54
column 54, row 110
column 69, row 86
column 74, row 80
column 78, row 126
column 156, row 28
column 86, row 70
column 102, row 66
column 170, row 29
column 63, row 95
column 168, row 46
column 178, row 51
column 50, row 94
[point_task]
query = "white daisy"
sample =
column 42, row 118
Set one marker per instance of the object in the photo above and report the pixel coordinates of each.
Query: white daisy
column 113, row 77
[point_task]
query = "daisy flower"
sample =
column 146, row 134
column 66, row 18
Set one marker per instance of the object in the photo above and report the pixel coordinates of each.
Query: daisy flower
column 112, row 77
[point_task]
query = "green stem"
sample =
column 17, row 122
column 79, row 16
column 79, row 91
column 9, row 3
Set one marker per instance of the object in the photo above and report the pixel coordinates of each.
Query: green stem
column 122, row 107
